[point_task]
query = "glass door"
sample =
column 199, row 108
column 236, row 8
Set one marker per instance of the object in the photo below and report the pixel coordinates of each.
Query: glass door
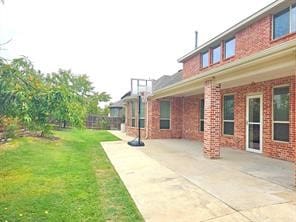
column 254, row 124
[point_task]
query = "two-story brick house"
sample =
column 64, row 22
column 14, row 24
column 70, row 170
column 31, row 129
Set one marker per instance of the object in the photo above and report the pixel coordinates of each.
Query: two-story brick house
column 237, row 90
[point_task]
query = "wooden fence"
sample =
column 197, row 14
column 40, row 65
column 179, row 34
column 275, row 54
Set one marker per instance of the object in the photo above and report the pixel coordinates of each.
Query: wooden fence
column 103, row 122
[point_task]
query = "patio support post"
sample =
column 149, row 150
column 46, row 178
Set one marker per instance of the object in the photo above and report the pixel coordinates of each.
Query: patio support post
column 212, row 119
column 294, row 105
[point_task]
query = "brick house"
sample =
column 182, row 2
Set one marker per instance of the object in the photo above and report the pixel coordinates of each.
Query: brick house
column 236, row 90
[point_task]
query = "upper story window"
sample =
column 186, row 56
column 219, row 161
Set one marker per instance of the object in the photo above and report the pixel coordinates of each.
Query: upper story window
column 229, row 48
column 205, row 59
column 216, row 54
column 284, row 22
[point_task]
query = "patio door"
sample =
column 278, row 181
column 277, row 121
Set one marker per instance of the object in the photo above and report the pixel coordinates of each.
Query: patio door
column 254, row 124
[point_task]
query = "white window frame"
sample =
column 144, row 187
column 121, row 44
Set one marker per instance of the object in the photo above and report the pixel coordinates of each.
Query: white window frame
column 290, row 17
column 200, row 119
column 212, row 54
column 249, row 96
column 201, row 59
column 228, row 40
column 167, row 100
column 285, row 122
column 133, row 117
column 143, row 118
column 228, row 121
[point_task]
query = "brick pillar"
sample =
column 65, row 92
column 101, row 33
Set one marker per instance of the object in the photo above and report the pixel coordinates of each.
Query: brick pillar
column 212, row 120
column 294, row 128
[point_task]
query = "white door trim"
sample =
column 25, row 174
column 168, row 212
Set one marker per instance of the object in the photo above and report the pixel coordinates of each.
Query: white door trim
column 261, row 123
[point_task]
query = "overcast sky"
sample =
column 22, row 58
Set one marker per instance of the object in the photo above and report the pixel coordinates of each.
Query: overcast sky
column 114, row 40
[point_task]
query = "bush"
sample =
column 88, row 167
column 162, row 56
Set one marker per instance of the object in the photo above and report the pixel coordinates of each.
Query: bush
column 10, row 131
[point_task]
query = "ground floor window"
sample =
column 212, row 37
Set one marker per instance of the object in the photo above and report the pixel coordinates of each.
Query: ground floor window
column 133, row 105
column 281, row 106
column 165, row 114
column 142, row 116
column 202, row 115
column 228, row 115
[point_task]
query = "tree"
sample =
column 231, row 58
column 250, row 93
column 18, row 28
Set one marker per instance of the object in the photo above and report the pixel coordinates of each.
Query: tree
column 23, row 94
column 69, row 93
column 93, row 103
column 34, row 98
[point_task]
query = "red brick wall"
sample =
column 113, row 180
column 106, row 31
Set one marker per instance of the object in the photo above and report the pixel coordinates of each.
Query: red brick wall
column 175, row 131
column 252, row 39
column 185, row 119
column 212, row 120
column 133, row 131
column 271, row 148
column 191, row 120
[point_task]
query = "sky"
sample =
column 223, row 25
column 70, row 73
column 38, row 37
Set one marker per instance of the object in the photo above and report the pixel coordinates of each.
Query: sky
column 113, row 41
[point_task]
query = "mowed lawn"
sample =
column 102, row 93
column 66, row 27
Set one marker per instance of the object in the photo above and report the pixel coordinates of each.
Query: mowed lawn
column 70, row 179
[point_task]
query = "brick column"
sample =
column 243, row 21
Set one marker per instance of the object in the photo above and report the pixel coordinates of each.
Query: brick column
column 294, row 128
column 212, row 120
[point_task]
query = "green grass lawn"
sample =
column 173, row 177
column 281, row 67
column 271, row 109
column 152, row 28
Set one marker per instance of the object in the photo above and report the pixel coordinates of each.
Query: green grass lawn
column 70, row 179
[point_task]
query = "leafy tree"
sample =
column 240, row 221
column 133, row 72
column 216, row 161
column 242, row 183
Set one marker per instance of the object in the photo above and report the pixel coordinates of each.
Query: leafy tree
column 93, row 103
column 35, row 99
column 23, row 95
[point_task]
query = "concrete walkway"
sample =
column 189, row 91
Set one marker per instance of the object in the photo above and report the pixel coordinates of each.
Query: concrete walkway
column 170, row 180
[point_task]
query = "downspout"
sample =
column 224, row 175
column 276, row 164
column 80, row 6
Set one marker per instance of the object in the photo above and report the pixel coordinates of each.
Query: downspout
column 183, row 118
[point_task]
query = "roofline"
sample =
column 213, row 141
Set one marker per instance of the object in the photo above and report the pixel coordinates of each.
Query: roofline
column 286, row 46
column 232, row 29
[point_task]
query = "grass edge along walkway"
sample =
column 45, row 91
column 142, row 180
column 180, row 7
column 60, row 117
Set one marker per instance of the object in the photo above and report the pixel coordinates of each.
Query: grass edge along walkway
column 70, row 179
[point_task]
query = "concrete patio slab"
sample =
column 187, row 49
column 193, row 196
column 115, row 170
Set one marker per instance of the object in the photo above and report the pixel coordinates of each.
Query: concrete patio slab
column 159, row 193
column 245, row 190
column 273, row 213
column 170, row 180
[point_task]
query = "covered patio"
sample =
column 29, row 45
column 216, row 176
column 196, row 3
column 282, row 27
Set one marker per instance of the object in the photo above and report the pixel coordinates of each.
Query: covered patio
column 186, row 158
column 170, row 179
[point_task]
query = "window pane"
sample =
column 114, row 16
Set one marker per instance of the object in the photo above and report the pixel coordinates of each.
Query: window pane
column 281, row 23
column 133, row 122
column 202, row 108
column 165, row 109
column 254, row 110
column 202, row 126
column 230, row 48
column 254, row 136
column 293, row 18
column 133, row 109
column 114, row 112
column 142, row 110
column 142, row 123
column 205, row 59
column 216, row 56
column 281, row 104
column 281, row 132
column 229, row 107
column 164, row 124
column 228, row 128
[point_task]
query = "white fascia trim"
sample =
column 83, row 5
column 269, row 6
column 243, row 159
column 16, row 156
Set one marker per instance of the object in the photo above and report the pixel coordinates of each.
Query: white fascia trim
column 270, row 52
column 233, row 29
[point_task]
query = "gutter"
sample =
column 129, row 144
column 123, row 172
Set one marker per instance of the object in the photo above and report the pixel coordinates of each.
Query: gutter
column 226, row 34
column 240, row 63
